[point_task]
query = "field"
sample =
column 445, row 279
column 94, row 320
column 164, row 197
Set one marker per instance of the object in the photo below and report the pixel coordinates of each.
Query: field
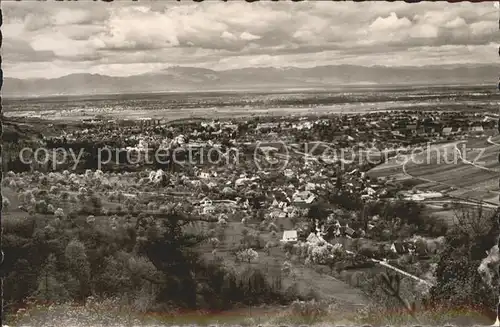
column 465, row 171
column 306, row 279
column 231, row 104
column 441, row 168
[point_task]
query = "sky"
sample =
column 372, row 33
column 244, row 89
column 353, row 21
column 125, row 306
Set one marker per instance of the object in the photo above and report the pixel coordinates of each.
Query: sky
column 53, row 39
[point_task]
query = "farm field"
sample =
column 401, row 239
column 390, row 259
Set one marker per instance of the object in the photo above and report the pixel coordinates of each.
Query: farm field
column 467, row 169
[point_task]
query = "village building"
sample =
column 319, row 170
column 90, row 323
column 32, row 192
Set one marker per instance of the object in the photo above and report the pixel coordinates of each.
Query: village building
column 290, row 236
column 313, row 238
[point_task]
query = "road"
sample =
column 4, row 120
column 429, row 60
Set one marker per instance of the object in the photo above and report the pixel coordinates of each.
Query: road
column 490, row 141
column 465, row 161
column 461, row 201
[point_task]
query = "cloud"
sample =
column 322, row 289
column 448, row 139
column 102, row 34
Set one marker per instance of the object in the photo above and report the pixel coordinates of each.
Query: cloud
column 391, row 22
column 21, row 51
column 249, row 36
column 456, row 23
column 228, row 36
column 239, row 34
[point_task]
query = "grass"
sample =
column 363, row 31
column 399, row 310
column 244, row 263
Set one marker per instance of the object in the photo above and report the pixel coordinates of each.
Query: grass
column 110, row 313
column 306, row 278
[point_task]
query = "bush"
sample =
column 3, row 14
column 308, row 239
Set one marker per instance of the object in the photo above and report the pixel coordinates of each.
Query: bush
column 72, row 215
column 273, row 228
column 5, row 203
column 41, row 207
column 309, row 312
column 59, row 213
column 287, row 247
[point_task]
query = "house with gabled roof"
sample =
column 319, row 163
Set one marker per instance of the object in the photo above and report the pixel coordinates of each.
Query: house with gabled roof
column 290, row 236
column 477, row 129
column 447, row 131
column 313, row 238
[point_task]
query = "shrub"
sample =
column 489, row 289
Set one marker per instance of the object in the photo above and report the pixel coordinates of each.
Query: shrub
column 50, row 208
column 41, row 207
column 273, row 228
column 286, row 268
column 59, row 213
column 13, row 185
column 287, row 247
column 214, row 242
column 72, row 215
column 5, row 203
column 310, row 312
column 222, row 222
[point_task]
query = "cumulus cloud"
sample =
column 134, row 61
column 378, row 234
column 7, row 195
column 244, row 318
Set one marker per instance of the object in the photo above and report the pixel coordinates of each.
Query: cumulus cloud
column 455, row 23
column 220, row 35
column 391, row 22
column 248, row 36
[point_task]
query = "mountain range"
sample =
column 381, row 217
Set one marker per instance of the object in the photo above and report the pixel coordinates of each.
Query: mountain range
column 267, row 78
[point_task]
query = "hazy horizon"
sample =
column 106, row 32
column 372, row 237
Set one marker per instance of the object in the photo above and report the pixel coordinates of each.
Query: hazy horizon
column 445, row 66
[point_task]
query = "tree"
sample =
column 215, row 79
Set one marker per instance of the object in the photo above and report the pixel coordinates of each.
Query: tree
column 248, row 255
column 458, row 282
column 473, row 221
column 5, row 203
column 96, row 202
column 392, row 287
column 339, row 182
column 286, row 268
column 171, row 250
column 214, row 242
column 59, row 213
column 49, row 286
column 79, row 267
column 318, row 211
column 320, row 254
column 41, row 206
column 272, row 227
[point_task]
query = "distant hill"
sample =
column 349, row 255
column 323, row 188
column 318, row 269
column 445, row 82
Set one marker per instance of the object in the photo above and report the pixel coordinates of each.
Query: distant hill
column 200, row 79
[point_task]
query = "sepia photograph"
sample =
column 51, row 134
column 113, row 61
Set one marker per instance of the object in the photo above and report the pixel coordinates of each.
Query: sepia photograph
column 274, row 163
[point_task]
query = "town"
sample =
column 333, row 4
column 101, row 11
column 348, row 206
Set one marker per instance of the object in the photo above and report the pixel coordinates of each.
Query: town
column 295, row 198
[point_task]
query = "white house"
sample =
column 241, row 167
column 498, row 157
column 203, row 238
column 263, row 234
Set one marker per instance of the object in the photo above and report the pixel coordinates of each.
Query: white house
column 204, row 175
column 208, row 210
column 289, row 236
column 477, row 129
column 304, row 198
column 206, row 202
column 447, row 131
